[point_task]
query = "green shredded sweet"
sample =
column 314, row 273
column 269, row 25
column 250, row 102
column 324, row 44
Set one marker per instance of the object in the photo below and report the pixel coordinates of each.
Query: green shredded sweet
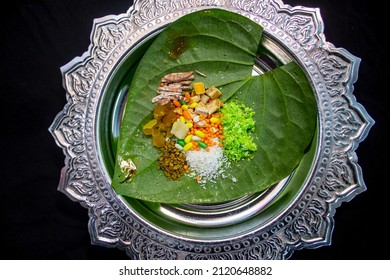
column 238, row 124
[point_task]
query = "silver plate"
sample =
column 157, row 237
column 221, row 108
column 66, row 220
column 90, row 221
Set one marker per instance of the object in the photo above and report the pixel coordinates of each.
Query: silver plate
column 296, row 213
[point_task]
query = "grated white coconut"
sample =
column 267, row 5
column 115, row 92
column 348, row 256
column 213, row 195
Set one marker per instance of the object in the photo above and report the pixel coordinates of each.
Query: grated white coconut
column 207, row 165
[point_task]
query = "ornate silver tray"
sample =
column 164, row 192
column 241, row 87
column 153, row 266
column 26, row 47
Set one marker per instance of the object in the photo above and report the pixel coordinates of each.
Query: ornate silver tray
column 296, row 213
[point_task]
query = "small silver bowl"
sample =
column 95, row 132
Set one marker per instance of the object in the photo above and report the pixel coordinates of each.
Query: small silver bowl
column 293, row 214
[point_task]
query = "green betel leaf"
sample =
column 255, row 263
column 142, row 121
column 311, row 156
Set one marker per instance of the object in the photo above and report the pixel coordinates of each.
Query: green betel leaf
column 223, row 46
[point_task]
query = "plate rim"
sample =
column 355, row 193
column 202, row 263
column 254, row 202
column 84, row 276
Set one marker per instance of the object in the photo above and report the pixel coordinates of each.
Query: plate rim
column 344, row 123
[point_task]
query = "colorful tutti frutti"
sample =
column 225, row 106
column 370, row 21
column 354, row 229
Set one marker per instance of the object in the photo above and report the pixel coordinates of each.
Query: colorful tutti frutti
column 188, row 119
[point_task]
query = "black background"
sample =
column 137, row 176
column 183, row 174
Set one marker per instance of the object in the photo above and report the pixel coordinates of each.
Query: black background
column 38, row 37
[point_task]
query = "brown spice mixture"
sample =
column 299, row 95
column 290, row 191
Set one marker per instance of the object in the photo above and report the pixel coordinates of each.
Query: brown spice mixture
column 171, row 161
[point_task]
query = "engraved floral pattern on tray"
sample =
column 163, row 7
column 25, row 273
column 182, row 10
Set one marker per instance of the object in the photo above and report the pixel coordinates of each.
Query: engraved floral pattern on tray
column 308, row 223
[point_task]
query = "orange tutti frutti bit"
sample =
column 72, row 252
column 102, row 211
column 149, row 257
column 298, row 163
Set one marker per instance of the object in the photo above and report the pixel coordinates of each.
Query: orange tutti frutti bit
column 187, row 96
column 187, row 115
column 176, row 103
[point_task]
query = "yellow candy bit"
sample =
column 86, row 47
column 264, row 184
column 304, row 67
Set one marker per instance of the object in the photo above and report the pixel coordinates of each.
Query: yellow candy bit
column 193, row 104
column 182, row 119
column 189, row 124
column 188, row 146
column 188, row 138
column 214, row 120
column 200, row 134
column 199, row 88
column 184, row 107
